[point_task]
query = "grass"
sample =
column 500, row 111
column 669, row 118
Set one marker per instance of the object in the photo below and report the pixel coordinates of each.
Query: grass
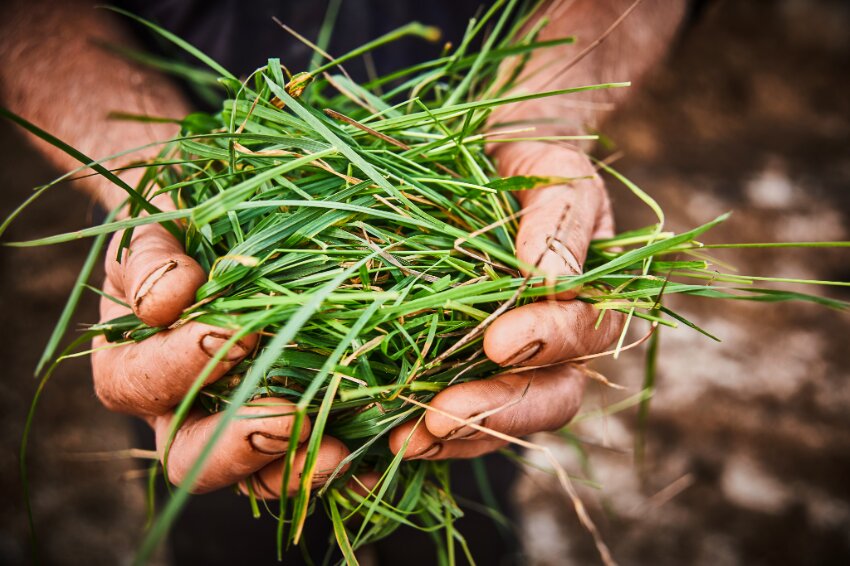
column 366, row 233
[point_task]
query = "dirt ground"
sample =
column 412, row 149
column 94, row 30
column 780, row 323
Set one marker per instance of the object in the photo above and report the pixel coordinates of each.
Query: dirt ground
column 748, row 451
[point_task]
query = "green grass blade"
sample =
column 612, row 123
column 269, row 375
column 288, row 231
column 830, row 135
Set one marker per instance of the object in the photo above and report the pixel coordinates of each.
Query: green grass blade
column 341, row 534
column 73, row 299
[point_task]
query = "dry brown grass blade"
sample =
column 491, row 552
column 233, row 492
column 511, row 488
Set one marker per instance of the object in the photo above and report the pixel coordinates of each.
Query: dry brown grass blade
column 395, row 209
column 351, row 121
column 106, row 456
column 348, row 94
column 598, row 377
column 362, row 350
column 311, row 45
column 389, row 139
column 241, row 127
column 666, row 494
column 263, row 152
column 492, row 226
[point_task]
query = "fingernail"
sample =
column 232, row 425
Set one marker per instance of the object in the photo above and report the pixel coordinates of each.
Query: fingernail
column 260, row 484
column 431, row 451
column 523, row 354
column 465, row 431
column 461, row 433
column 151, row 280
column 319, row 479
column 211, row 343
column 562, row 257
column 270, row 444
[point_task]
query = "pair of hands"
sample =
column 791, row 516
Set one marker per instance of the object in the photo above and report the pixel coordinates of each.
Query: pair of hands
column 158, row 280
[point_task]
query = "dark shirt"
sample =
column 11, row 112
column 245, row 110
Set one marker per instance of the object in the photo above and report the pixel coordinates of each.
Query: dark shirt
column 241, row 35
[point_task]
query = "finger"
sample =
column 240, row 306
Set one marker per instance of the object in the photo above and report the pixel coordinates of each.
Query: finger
column 267, row 482
column 155, row 277
column 549, row 332
column 515, row 404
column 605, row 227
column 556, row 230
column 257, row 436
column 422, row 445
column 109, row 307
column 365, row 482
column 152, row 376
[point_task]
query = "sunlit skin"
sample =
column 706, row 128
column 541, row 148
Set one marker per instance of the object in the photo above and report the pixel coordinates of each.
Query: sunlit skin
column 158, row 280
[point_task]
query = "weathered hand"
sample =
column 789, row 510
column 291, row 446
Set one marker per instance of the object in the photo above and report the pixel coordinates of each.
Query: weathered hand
column 554, row 234
column 158, row 281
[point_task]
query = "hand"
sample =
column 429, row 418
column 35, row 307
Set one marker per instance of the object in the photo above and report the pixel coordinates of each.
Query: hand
column 554, row 234
column 148, row 379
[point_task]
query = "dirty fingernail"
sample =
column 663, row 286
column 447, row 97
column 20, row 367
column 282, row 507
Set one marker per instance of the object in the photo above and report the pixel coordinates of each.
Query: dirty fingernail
column 270, row 444
column 319, row 479
column 151, row 280
column 430, row 452
column 461, row 433
column 562, row 260
column 465, row 431
column 524, row 354
column 211, row 343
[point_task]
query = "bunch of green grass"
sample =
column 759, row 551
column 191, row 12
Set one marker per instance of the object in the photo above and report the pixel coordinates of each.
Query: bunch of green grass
column 365, row 233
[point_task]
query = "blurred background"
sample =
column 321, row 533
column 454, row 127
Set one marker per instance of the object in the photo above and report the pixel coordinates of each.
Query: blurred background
column 748, row 446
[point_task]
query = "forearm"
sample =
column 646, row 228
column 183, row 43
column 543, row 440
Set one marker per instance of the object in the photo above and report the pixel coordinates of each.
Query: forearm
column 54, row 74
column 638, row 42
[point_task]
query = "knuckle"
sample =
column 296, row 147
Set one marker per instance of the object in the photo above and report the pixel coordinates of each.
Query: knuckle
column 176, row 476
column 117, row 396
column 106, row 399
column 103, row 388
